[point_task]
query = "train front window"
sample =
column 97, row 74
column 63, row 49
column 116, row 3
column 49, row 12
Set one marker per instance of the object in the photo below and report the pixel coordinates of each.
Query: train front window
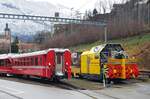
column 58, row 58
column 116, row 51
column 115, row 47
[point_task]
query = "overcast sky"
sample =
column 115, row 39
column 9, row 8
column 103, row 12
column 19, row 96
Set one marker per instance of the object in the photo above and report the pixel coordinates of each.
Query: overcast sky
column 76, row 4
column 80, row 5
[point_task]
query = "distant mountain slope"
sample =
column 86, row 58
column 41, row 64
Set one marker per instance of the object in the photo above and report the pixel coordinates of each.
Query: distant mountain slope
column 28, row 8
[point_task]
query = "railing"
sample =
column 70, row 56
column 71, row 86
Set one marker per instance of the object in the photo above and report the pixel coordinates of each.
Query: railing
column 49, row 19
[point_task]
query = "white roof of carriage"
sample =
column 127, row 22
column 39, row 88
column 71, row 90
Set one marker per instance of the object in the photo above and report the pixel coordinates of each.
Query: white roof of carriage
column 5, row 56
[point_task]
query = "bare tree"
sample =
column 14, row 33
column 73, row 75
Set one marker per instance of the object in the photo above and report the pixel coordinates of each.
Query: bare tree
column 102, row 6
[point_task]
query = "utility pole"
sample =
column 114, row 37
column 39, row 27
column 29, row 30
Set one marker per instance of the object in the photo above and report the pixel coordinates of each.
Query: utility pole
column 105, row 34
column 71, row 22
column 10, row 42
column 139, row 12
column 149, row 14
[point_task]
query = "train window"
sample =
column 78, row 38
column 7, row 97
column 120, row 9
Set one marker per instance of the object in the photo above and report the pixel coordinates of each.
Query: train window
column 6, row 62
column 44, row 59
column 32, row 61
column 19, row 62
column 36, row 60
column 24, row 61
column 27, row 60
column 15, row 63
column 58, row 58
column 1, row 62
column 40, row 60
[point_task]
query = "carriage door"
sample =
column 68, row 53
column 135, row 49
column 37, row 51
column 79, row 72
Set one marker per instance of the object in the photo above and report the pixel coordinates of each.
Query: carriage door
column 59, row 64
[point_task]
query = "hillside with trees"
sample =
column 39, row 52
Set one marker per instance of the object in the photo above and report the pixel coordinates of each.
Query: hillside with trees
column 126, row 19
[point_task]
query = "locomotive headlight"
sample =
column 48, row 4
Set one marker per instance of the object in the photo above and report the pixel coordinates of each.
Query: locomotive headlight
column 115, row 71
column 131, row 71
column 49, row 64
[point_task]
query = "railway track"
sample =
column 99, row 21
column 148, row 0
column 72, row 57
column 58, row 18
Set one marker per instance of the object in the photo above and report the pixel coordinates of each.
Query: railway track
column 144, row 73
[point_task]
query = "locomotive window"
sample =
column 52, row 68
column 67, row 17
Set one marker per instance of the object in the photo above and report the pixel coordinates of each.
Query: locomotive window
column 36, row 60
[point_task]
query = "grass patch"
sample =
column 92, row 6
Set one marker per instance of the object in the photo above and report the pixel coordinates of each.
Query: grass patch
column 128, row 43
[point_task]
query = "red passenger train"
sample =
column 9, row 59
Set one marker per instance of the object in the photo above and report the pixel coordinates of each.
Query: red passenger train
column 50, row 64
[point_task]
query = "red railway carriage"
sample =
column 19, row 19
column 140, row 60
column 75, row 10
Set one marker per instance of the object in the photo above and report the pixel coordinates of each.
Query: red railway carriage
column 51, row 63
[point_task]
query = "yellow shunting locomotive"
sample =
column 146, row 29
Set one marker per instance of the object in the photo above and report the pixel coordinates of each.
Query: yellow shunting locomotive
column 109, row 59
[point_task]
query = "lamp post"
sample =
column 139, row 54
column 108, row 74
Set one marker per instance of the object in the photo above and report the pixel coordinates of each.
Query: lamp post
column 105, row 33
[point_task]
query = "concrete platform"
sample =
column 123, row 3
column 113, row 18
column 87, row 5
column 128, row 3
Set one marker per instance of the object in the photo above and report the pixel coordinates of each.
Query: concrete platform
column 12, row 88
column 17, row 90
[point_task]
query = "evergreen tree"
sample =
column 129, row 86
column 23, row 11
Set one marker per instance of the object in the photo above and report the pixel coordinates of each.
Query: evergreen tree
column 95, row 12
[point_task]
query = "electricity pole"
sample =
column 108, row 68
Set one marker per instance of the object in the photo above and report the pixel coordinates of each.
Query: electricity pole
column 72, row 18
column 10, row 41
column 105, row 34
column 149, row 14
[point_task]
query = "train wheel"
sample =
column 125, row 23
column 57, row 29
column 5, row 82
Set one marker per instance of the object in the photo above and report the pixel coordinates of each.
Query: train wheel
column 80, row 76
column 19, row 76
column 27, row 76
column 3, row 75
column 55, row 79
column 73, row 75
